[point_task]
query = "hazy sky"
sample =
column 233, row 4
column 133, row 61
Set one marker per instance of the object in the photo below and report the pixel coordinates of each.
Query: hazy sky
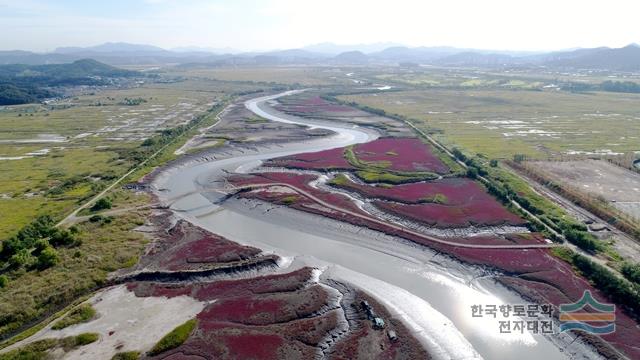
column 268, row 24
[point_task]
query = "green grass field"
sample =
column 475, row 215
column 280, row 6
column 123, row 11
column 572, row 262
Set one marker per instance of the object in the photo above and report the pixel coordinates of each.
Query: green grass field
column 92, row 132
column 501, row 123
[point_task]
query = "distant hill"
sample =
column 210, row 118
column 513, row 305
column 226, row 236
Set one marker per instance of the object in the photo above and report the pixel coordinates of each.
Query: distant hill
column 351, row 57
column 476, row 59
column 334, row 49
column 621, row 59
column 80, row 69
column 21, row 83
column 30, row 58
column 625, row 59
column 119, row 47
column 418, row 54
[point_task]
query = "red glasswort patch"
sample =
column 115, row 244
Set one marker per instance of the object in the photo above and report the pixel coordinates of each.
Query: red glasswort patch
column 403, row 154
column 332, row 159
column 451, row 191
column 481, row 213
column 311, row 105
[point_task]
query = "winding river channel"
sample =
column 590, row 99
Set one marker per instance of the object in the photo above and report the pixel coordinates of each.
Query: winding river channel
column 430, row 292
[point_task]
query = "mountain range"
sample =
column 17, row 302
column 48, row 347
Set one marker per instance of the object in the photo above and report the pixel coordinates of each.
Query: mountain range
column 625, row 59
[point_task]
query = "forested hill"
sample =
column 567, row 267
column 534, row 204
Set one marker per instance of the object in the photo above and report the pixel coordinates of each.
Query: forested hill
column 20, row 84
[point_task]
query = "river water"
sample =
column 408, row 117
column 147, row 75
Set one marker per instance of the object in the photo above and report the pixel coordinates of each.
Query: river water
column 431, row 293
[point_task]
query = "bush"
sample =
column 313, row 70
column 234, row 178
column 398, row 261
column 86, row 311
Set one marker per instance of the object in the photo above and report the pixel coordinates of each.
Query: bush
column 86, row 338
column 472, row 172
column 21, row 249
column 47, row 258
column 4, row 281
column 582, row 239
column 39, row 350
column 101, row 204
column 631, row 272
column 21, row 259
column 62, row 238
column 129, row 355
column 81, row 314
column 36, row 350
column 175, row 338
column 618, row 290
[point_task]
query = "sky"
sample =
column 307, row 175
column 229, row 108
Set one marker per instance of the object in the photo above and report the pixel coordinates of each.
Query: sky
column 537, row 25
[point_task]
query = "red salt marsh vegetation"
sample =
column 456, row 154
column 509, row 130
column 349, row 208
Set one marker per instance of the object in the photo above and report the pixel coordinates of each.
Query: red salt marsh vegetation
column 449, row 191
column 291, row 281
column 310, row 105
column 401, row 154
column 280, row 316
column 187, row 247
column 332, row 159
column 267, row 309
column 486, row 212
column 252, row 318
column 296, row 201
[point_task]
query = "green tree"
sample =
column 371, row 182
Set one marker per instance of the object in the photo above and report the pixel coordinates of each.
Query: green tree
column 102, row 204
column 21, row 258
column 47, row 258
column 631, row 272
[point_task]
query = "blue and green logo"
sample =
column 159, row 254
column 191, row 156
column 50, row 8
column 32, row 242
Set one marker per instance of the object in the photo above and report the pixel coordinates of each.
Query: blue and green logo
column 600, row 321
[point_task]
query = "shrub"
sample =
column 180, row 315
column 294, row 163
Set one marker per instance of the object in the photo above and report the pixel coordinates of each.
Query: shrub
column 20, row 259
column 631, row 272
column 129, row 355
column 101, row 204
column 582, row 240
column 86, row 338
column 47, row 258
column 4, row 281
column 38, row 350
column 175, row 338
column 472, row 172
column 81, row 314
column 617, row 289
column 62, row 238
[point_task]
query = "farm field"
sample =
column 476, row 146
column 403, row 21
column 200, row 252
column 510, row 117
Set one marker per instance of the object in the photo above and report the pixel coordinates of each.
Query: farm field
column 54, row 155
column 617, row 186
column 286, row 75
column 500, row 123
